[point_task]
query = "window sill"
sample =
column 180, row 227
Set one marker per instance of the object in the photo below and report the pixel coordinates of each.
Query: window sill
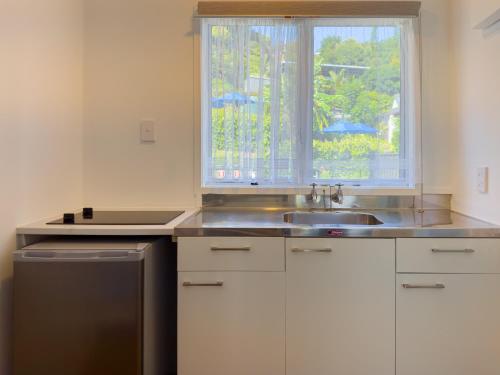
column 348, row 190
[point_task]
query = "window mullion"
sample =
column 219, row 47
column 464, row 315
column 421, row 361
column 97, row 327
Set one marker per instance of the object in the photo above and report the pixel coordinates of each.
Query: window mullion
column 304, row 105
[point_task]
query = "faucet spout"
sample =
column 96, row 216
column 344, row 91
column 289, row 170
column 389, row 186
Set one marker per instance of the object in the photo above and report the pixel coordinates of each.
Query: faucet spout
column 313, row 195
column 338, row 194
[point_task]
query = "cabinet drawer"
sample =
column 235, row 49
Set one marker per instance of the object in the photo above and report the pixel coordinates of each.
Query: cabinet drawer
column 448, row 255
column 231, row 254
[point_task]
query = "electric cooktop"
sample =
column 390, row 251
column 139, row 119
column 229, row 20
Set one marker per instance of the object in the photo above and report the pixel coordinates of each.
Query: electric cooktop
column 90, row 217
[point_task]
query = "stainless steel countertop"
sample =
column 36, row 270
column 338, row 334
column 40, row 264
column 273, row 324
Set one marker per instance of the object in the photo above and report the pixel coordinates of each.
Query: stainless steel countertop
column 268, row 222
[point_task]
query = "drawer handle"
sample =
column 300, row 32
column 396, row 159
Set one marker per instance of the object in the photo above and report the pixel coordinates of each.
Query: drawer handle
column 243, row 248
column 216, row 283
column 464, row 251
column 295, row 250
column 423, row 286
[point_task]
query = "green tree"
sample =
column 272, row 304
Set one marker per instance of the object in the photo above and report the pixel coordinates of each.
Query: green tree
column 328, row 48
column 351, row 52
column 371, row 107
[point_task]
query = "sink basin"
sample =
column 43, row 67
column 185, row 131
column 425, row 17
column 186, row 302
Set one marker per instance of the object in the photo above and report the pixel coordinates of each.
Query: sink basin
column 331, row 218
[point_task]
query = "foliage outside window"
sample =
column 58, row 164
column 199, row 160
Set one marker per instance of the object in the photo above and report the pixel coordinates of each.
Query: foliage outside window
column 292, row 102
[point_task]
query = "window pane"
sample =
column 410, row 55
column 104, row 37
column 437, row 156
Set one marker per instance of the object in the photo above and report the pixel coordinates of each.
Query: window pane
column 252, row 103
column 357, row 133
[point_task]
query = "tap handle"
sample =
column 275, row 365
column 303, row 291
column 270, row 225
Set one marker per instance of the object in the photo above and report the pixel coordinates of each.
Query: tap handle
column 338, row 195
column 314, row 193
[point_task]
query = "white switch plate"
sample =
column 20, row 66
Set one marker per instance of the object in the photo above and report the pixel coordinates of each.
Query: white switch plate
column 482, row 179
column 148, row 131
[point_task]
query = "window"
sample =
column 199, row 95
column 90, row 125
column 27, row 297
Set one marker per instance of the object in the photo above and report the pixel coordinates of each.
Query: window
column 289, row 102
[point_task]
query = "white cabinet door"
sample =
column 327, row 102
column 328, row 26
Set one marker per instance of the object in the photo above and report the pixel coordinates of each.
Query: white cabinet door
column 231, row 323
column 448, row 325
column 340, row 306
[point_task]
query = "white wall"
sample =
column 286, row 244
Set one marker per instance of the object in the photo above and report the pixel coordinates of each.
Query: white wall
column 40, row 125
column 476, row 108
column 138, row 65
column 140, row 60
column 436, row 125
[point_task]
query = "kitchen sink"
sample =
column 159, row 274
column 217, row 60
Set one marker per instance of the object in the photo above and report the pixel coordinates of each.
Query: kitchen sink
column 331, row 218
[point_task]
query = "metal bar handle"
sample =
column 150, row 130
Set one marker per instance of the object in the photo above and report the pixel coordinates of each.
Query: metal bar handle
column 77, row 255
column 464, row 251
column 216, row 283
column 74, row 254
column 326, row 250
column 243, row 248
column 424, row 286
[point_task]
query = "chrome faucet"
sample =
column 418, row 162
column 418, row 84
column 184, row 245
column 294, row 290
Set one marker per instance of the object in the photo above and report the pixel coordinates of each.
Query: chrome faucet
column 313, row 195
column 338, row 194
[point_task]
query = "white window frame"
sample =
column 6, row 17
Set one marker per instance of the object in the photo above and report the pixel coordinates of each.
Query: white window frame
column 410, row 147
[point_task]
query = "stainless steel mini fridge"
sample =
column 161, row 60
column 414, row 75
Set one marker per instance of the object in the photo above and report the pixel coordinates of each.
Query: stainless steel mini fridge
column 94, row 308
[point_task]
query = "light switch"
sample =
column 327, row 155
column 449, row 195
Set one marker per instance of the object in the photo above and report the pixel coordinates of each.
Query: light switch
column 148, row 131
column 482, row 179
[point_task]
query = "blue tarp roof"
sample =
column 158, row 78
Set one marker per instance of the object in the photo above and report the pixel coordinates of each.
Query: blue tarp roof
column 231, row 98
column 346, row 127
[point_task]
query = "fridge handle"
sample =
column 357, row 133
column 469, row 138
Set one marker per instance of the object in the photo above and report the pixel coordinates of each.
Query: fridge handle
column 78, row 255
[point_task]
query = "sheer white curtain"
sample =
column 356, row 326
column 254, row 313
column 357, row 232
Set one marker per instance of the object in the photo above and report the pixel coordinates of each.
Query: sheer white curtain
column 295, row 101
column 367, row 72
column 250, row 100
column 413, row 52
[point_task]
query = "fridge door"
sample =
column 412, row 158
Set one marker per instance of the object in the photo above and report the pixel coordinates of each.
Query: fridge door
column 78, row 312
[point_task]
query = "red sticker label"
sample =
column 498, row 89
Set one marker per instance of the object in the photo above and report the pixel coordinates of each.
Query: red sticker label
column 335, row 233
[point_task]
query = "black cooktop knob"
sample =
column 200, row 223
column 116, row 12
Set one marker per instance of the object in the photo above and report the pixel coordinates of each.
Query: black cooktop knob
column 88, row 212
column 69, row 218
